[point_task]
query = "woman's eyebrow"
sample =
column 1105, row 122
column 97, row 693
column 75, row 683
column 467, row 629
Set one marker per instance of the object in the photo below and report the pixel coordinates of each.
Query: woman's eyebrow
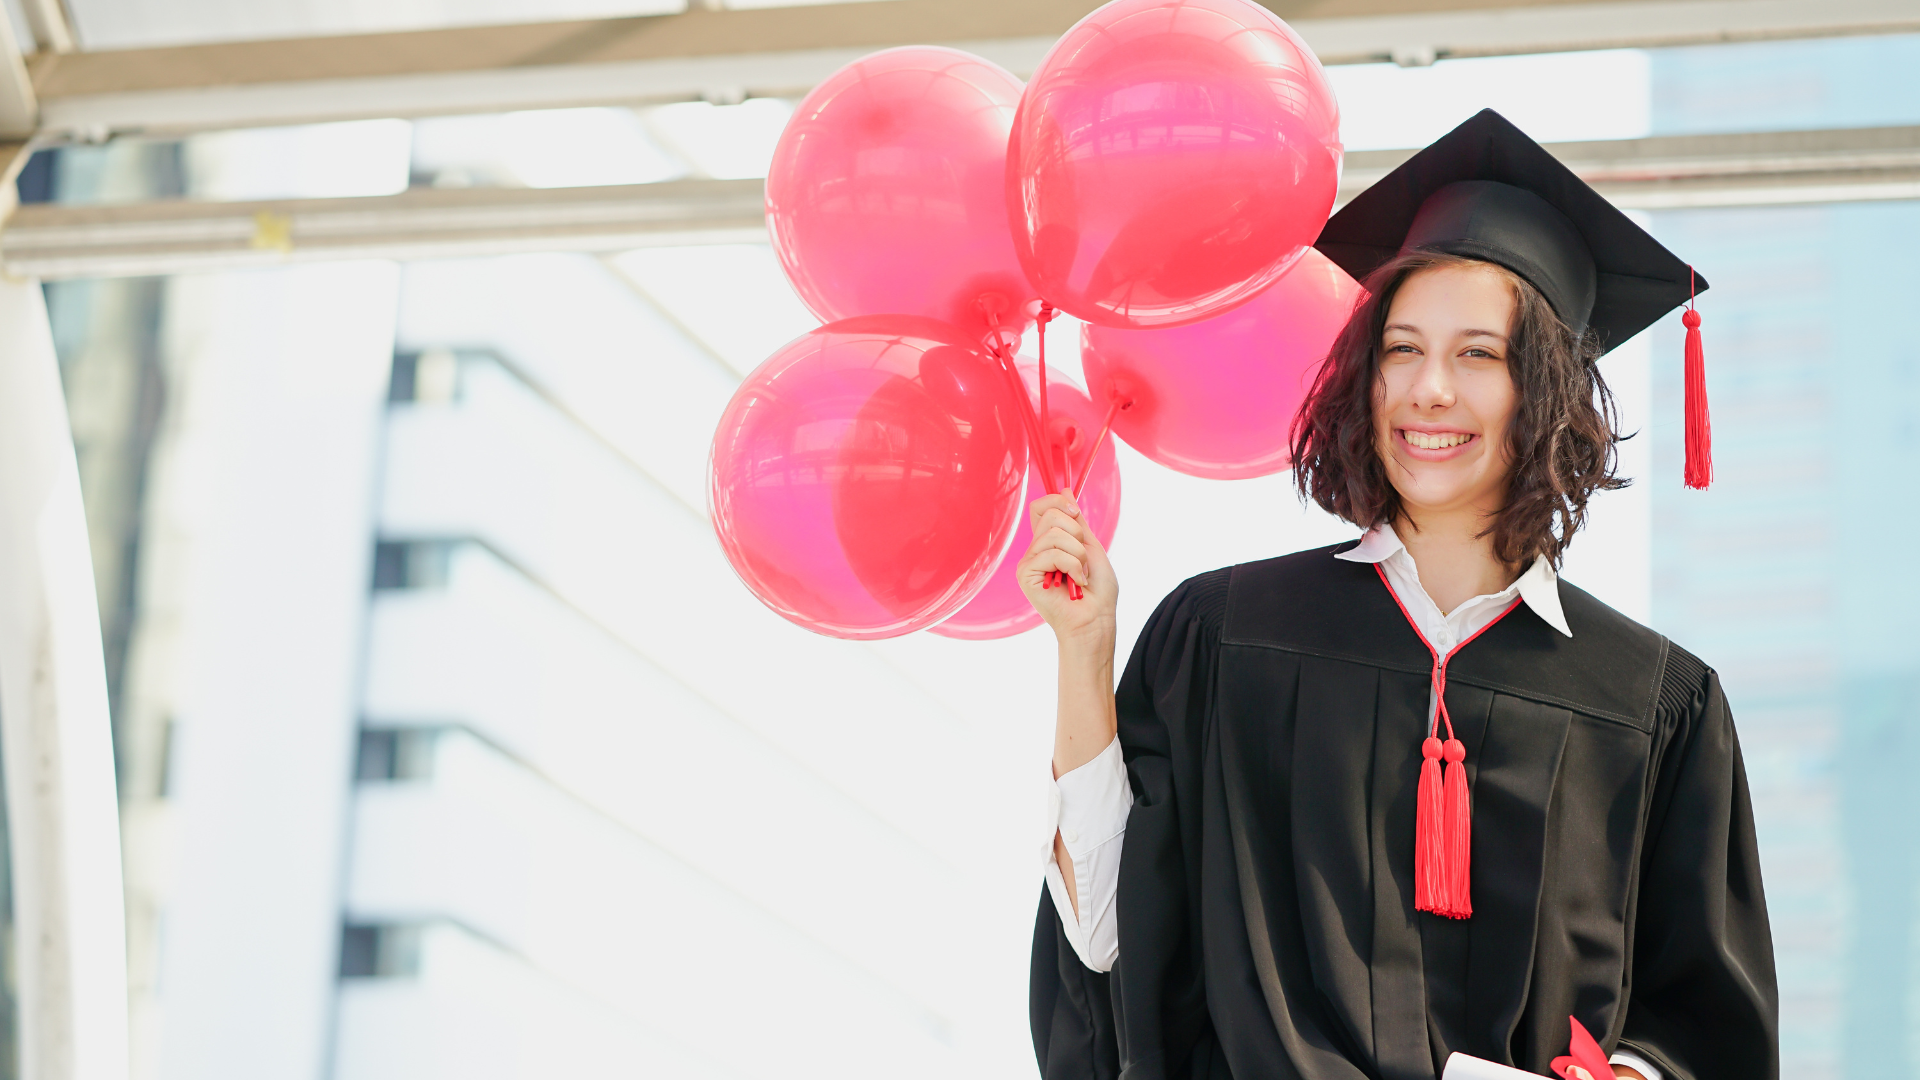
column 1412, row 329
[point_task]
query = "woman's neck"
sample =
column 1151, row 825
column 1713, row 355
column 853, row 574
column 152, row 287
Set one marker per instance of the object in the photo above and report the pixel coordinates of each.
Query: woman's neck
column 1455, row 564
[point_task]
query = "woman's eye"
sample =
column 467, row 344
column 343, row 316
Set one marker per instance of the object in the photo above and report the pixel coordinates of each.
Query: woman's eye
column 1402, row 348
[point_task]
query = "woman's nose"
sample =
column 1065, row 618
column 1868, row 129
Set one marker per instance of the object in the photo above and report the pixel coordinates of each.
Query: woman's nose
column 1433, row 384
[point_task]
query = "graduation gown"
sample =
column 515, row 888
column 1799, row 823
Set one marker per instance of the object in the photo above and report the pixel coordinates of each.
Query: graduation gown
column 1271, row 718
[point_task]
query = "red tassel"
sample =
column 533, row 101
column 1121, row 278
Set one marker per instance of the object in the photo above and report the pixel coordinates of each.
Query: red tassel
column 1443, row 809
column 1457, row 891
column 1699, row 424
column 1429, row 838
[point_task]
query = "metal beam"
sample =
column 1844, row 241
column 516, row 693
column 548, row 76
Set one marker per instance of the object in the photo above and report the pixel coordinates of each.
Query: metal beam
column 1749, row 169
column 784, row 51
column 13, row 158
column 51, row 25
column 1513, row 29
column 19, row 108
column 54, row 241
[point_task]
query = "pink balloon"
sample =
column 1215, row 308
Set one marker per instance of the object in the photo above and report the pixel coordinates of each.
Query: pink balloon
column 1000, row 609
column 1171, row 158
column 887, row 191
column 1216, row 398
column 865, row 480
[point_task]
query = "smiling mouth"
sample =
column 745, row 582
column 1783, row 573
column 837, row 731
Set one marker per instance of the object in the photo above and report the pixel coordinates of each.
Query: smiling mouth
column 1437, row 440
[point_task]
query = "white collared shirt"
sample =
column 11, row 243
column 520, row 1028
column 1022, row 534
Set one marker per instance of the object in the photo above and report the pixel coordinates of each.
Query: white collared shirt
column 1088, row 807
column 1538, row 588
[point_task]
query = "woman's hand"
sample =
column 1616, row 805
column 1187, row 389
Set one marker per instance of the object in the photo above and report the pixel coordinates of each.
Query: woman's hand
column 1063, row 542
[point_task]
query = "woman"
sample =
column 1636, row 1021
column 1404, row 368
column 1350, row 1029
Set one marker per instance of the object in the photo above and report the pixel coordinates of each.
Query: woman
column 1354, row 810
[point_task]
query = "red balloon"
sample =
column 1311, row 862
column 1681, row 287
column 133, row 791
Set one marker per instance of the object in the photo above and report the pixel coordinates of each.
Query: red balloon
column 887, row 191
column 1171, row 158
column 866, row 479
column 1216, row 398
column 1000, row 609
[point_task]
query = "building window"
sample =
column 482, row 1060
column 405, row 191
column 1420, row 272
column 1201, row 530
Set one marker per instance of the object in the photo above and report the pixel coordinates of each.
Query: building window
column 379, row 951
column 390, row 754
column 434, row 376
column 412, row 564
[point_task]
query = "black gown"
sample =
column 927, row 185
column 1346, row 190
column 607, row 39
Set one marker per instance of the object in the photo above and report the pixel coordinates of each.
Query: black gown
column 1271, row 718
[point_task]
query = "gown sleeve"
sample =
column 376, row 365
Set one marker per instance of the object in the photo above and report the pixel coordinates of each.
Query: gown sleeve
column 1082, row 1029
column 1703, row 1000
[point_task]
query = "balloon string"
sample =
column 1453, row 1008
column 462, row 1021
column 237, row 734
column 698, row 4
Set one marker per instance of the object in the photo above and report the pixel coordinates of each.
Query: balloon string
column 1035, row 428
column 1054, row 577
column 1046, row 420
column 1106, row 426
column 1005, row 356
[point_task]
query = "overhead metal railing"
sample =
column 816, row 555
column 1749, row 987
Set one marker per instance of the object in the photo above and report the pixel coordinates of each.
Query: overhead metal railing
column 53, row 241
column 56, row 241
column 724, row 55
column 1768, row 168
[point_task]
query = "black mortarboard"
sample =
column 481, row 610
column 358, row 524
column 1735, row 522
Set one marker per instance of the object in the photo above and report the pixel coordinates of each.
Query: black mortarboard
column 1487, row 191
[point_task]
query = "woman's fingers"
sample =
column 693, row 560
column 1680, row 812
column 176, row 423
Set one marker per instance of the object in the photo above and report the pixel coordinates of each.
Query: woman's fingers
column 1063, row 504
column 1042, row 561
column 1063, row 544
column 1060, row 538
column 1056, row 519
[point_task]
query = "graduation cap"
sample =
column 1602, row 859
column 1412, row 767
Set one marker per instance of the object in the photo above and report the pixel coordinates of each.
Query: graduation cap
column 1486, row 191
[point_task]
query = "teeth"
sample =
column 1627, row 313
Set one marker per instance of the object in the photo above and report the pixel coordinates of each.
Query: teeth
column 1436, row 441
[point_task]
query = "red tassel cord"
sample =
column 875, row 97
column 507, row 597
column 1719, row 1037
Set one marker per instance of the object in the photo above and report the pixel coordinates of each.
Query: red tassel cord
column 1456, row 822
column 1429, row 852
column 1699, row 423
column 1443, row 807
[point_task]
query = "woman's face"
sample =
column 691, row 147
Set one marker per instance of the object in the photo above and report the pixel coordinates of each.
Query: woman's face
column 1444, row 398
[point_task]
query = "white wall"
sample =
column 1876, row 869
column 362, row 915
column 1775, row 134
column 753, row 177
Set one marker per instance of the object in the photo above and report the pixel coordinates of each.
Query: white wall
column 641, row 679
column 258, row 545
column 611, row 731
column 478, row 1012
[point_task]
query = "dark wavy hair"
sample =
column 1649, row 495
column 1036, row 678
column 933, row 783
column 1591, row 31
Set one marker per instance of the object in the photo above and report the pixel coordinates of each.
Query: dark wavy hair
column 1562, row 441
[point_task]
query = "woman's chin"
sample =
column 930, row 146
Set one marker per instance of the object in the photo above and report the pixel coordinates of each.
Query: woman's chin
column 1428, row 491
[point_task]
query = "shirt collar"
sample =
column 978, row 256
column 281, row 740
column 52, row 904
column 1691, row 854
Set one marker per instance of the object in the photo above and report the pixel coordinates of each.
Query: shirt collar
column 1539, row 587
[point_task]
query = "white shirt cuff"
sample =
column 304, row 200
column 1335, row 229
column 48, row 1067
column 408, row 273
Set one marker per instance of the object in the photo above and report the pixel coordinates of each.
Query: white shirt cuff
column 1093, row 801
column 1087, row 808
column 1634, row 1061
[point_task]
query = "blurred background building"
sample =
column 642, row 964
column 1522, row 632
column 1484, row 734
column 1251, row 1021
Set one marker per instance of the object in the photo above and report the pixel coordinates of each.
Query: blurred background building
column 446, row 743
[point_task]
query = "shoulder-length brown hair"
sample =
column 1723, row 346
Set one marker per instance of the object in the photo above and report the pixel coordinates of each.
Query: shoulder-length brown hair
column 1562, row 441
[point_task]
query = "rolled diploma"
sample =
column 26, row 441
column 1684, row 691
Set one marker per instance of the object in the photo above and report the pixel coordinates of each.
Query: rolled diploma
column 1467, row 1067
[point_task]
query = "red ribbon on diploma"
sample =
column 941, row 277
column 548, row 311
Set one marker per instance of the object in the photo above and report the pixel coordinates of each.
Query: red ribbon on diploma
column 1584, row 1052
